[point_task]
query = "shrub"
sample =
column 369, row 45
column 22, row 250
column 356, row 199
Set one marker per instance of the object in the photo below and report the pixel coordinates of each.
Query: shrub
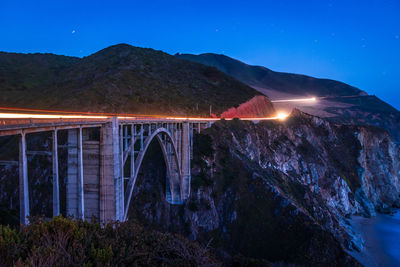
column 66, row 242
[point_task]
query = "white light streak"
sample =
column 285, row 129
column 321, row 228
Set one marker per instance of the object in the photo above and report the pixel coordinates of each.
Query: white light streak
column 312, row 99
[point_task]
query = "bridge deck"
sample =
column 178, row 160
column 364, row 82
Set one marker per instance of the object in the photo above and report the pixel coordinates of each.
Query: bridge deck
column 16, row 126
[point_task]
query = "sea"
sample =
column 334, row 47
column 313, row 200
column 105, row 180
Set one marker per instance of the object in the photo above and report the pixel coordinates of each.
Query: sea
column 382, row 240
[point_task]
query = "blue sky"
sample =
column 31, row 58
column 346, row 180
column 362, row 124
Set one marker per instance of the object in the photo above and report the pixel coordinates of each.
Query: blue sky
column 357, row 42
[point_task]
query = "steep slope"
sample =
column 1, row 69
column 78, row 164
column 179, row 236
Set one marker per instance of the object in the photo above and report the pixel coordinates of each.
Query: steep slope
column 338, row 101
column 120, row 78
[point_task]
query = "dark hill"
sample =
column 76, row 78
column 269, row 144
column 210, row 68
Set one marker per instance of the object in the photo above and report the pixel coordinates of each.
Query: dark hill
column 120, row 78
column 262, row 77
column 357, row 107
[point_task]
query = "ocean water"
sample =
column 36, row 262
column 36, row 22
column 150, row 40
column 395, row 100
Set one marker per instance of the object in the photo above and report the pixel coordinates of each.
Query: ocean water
column 382, row 240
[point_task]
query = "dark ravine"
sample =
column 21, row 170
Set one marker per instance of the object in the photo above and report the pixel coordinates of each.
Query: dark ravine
column 280, row 191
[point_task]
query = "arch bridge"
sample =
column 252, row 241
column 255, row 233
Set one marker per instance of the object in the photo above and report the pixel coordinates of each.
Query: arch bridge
column 102, row 173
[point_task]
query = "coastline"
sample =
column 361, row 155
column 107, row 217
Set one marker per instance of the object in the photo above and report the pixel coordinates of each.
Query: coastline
column 381, row 235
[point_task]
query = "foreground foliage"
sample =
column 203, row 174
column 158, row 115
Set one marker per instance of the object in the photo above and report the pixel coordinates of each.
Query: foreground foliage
column 65, row 242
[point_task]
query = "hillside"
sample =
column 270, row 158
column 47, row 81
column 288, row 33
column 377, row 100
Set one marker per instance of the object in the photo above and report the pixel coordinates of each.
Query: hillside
column 335, row 103
column 257, row 76
column 120, row 78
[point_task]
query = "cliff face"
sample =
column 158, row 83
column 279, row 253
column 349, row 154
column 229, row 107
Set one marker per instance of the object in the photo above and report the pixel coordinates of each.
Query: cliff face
column 280, row 191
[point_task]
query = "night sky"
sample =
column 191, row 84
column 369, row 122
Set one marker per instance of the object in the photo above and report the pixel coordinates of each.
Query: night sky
column 357, row 42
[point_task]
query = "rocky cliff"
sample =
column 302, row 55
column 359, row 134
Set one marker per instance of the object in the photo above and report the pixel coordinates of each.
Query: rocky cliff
column 279, row 191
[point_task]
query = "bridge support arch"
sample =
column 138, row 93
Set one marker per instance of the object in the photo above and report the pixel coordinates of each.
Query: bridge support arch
column 173, row 160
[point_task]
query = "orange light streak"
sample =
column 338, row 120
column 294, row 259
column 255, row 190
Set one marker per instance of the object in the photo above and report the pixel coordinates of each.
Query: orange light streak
column 46, row 116
column 94, row 115
column 280, row 116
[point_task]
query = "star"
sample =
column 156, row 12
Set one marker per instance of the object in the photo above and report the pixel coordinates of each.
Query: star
column 73, row 31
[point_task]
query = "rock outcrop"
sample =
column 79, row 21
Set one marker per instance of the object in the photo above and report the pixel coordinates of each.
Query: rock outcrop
column 280, row 191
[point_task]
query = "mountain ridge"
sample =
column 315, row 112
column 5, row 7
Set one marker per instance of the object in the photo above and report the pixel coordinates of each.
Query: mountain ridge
column 254, row 74
column 120, row 78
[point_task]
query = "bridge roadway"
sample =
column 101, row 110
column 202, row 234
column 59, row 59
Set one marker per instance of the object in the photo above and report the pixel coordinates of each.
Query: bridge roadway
column 102, row 173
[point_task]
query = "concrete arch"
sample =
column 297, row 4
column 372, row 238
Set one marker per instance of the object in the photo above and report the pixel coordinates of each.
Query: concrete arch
column 173, row 168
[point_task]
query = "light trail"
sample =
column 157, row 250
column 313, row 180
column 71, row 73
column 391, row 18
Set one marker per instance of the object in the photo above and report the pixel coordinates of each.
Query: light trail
column 60, row 114
column 312, row 99
column 94, row 115
column 46, row 116
column 279, row 116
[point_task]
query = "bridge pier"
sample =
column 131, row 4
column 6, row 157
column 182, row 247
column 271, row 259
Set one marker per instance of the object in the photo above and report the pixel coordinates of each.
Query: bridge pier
column 185, row 157
column 111, row 184
column 23, row 180
column 72, row 188
column 56, row 186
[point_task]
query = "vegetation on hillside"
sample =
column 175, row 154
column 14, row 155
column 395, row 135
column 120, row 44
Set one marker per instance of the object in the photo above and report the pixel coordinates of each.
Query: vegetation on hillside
column 120, row 78
column 65, row 242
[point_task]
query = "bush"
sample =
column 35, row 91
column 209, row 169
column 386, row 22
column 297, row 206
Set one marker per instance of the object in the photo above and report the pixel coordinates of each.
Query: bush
column 65, row 242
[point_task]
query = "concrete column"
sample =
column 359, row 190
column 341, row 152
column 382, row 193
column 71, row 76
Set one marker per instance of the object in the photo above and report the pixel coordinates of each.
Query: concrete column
column 141, row 137
column 23, row 181
column 56, row 187
column 121, row 191
column 81, row 196
column 125, row 137
column 111, row 184
column 191, row 133
column 186, row 143
column 72, row 174
column 91, row 177
column 132, row 174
